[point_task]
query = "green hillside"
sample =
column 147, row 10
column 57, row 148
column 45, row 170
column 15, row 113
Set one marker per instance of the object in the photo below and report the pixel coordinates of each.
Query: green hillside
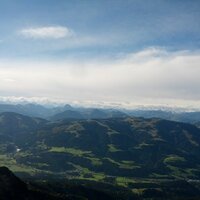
column 134, row 153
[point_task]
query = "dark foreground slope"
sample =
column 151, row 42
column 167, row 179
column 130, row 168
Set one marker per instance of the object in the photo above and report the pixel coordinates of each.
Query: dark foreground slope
column 12, row 188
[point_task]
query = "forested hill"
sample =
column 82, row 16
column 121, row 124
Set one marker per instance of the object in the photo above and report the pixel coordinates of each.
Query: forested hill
column 120, row 152
column 116, row 147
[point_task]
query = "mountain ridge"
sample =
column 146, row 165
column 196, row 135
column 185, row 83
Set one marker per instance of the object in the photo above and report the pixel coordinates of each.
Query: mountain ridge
column 129, row 145
column 127, row 152
column 67, row 111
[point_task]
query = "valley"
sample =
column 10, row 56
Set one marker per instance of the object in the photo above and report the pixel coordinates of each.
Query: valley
column 138, row 157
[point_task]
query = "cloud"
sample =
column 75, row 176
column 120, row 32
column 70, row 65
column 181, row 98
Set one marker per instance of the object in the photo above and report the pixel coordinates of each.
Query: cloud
column 153, row 76
column 9, row 80
column 48, row 32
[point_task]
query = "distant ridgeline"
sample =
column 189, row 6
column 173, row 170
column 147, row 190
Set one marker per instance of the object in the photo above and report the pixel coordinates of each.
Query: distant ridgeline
column 144, row 156
column 69, row 112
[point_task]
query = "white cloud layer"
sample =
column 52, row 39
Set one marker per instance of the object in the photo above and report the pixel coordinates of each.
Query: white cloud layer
column 150, row 77
column 48, row 32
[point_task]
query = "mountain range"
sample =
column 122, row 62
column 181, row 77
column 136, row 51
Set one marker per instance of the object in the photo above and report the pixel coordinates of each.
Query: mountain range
column 135, row 153
column 69, row 112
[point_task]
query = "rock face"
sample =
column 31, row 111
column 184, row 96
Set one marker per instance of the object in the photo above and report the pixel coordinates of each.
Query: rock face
column 11, row 187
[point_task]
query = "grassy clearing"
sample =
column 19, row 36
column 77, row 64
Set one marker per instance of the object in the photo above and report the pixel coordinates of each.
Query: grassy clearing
column 23, row 154
column 95, row 161
column 183, row 172
column 73, row 151
column 16, row 167
column 113, row 148
column 86, row 174
column 138, row 191
column 74, row 128
column 78, row 152
column 125, row 164
column 179, row 173
column 174, row 159
column 124, row 181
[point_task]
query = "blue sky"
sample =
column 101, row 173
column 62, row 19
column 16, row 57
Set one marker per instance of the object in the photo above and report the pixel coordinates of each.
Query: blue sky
column 72, row 35
column 112, row 26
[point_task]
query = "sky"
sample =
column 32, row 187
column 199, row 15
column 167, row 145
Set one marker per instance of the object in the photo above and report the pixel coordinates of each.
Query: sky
column 101, row 52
